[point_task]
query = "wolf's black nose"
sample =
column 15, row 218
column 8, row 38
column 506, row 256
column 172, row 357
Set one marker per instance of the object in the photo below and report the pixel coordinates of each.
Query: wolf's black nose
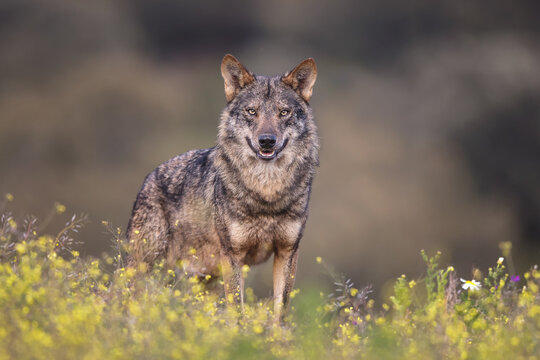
column 267, row 141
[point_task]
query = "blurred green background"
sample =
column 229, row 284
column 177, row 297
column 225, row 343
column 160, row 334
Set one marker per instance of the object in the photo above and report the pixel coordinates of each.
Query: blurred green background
column 429, row 116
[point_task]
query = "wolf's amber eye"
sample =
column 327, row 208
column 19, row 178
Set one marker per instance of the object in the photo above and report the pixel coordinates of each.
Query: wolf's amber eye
column 251, row 111
column 284, row 112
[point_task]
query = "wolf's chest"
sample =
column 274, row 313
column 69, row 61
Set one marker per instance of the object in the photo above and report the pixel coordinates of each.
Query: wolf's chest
column 253, row 233
column 258, row 237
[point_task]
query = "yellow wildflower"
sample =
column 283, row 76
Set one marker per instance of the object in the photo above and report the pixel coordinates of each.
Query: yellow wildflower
column 505, row 247
column 60, row 209
column 257, row 329
column 245, row 270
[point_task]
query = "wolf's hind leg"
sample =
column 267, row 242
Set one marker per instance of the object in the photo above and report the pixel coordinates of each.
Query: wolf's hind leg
column 148, row 233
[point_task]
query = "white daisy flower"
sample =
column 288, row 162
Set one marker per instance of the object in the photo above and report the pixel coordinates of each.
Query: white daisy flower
column 472, row 285
column 500, row 261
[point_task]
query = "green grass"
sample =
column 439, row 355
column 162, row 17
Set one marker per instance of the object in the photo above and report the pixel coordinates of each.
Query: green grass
column 56, row 305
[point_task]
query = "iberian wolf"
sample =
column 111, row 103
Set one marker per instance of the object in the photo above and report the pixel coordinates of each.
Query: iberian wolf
column 244, row 199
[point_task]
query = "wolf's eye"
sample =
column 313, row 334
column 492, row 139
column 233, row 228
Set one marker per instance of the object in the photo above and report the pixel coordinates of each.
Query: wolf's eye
column 251, row 111
column 284, row 112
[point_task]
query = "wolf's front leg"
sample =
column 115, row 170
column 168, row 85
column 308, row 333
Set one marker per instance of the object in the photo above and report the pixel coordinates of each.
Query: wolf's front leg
column 285, row 260
column 233, row 280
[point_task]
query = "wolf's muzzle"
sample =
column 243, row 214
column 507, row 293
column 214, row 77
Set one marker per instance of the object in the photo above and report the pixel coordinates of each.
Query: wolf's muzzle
column 269, row 152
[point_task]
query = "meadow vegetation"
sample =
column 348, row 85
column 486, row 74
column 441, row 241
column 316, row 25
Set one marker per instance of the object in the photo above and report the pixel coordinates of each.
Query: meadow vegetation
column 56, row 304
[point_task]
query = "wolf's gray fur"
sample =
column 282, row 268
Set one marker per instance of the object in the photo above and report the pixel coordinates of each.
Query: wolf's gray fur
column 244, row 199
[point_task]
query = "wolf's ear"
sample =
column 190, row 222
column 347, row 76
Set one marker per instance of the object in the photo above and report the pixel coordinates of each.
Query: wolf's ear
column 302, row 78
column 235, row 75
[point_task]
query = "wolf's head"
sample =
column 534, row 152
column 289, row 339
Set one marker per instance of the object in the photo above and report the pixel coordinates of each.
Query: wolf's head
column 268, row 120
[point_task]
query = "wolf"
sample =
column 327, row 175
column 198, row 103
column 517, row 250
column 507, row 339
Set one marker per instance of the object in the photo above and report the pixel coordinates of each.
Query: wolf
column 244, row 199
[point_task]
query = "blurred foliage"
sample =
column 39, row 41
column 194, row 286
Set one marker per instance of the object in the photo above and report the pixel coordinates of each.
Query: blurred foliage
column 57, row 305
column 428, row 114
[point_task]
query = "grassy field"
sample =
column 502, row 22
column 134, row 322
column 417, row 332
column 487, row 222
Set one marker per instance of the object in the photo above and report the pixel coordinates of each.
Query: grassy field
column 56, row 305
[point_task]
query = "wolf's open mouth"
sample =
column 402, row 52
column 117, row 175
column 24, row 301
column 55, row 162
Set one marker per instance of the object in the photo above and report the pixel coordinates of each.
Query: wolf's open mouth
column 267, row 154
